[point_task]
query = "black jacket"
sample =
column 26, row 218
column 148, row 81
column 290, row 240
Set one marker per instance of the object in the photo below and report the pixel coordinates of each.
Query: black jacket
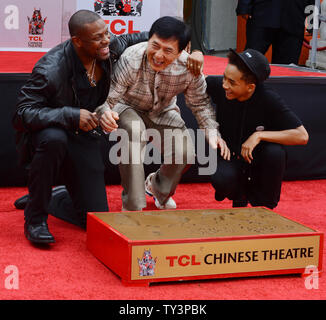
column 49, row 97
column 289, row 15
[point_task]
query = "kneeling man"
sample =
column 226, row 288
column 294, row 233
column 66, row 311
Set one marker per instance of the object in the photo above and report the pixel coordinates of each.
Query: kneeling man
column 145, row 84
column 255, row 123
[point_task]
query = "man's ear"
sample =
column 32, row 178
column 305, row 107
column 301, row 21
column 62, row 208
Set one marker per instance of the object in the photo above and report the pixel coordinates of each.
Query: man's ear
column 76, row 41
column 251, row 87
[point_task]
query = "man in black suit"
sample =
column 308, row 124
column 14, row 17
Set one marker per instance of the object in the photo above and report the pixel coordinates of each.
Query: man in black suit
column 58, row 131
column 279, row 23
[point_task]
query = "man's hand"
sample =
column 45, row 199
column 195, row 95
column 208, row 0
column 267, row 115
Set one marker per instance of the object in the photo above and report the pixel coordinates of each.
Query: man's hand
column 195, row 63
column 108, row 120
column 87, row 120
column 217, row 142
column 249, row 145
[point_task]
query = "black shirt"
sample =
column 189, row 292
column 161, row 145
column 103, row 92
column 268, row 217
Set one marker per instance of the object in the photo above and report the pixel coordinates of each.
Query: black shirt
column 89, row 97
column 265, row 110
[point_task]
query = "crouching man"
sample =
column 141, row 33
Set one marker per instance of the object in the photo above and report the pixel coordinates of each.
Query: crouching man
column 255, row 123
column 145, row 84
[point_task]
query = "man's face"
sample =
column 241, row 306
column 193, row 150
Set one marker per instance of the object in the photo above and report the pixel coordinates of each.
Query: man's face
column 234, row 86
column 94, row 40
column 162, row 52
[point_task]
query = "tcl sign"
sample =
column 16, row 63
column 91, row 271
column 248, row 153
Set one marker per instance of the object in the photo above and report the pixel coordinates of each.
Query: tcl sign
column 183, row 261
column 119, row 26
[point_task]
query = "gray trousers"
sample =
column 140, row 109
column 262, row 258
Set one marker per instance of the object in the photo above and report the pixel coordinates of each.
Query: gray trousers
column 176, row 146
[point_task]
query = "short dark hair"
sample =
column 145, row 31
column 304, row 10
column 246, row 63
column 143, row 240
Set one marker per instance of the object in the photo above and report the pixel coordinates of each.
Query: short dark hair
column 170, row 27
column 247, row 74
column 78, row 20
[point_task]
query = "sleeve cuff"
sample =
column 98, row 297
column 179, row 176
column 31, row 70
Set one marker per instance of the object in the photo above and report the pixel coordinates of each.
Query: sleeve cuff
column 102, row 108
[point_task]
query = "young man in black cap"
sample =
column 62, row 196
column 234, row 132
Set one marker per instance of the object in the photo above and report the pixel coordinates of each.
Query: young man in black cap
column 255, row 123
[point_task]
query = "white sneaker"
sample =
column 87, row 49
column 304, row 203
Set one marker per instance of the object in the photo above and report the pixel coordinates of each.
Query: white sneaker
column 148, row 184
column 169, row 204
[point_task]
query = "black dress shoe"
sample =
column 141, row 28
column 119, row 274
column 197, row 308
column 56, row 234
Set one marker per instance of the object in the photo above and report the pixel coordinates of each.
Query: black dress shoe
column 219, row 197
column 38, row 233
column 21, row 202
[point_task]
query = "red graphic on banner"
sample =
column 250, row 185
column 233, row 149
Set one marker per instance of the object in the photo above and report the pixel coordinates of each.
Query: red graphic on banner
column 36, row 23
column 147, row 264
column 118, row 7
column 36, row 29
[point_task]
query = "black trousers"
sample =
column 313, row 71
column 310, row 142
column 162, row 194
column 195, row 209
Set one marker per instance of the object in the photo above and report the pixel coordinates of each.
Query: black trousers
column 76, row 160
column 286, row 47
column 259, row 182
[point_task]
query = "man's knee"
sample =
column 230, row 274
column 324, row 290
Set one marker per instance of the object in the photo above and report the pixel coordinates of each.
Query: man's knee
column 272, row 155
column 226, row 180
column 132, row 123
column 52, row 140
column 135, row 129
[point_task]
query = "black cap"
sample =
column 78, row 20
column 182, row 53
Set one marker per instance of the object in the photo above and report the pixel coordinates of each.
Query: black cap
column 256, row 62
